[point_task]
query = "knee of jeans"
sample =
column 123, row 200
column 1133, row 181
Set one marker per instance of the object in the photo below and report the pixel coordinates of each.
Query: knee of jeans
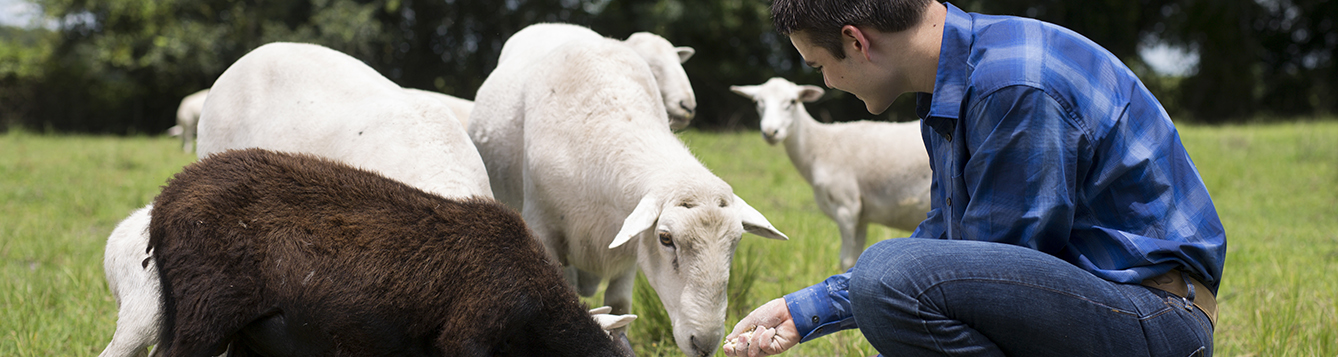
column 890, row 264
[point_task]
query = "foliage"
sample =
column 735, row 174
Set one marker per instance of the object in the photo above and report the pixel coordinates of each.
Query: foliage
column 121, row 66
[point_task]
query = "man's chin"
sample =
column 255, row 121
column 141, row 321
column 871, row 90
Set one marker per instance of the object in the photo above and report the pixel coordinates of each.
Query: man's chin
column 876, row 108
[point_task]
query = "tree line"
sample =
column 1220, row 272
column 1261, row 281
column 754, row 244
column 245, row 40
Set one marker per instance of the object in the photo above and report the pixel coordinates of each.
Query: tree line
column 122, row 66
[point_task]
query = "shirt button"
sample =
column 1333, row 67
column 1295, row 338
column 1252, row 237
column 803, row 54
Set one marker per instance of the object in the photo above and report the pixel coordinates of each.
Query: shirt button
column 949, row 201
column 815, row 319
column 948, row 136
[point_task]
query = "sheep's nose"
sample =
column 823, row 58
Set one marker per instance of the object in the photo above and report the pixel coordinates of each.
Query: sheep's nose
column 684, row 105
column 704, row 346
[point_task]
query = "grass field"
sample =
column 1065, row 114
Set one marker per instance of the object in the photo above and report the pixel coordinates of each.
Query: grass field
column 1275, row 187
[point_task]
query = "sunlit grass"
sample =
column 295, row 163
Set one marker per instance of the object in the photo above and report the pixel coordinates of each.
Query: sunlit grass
column 1275, row 187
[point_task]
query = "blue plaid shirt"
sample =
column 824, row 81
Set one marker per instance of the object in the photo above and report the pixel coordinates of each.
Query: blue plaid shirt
column 1039, row 137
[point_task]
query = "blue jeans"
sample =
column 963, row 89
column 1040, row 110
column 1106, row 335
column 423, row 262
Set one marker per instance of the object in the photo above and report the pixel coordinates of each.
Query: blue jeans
column 922, row 297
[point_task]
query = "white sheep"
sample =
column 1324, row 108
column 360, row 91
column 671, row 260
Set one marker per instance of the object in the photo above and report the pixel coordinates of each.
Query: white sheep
column 188, row 115
column 666, row 61
column 609, row 189
column 862, row 172
column 311, row 99
column 303, row 98
column 460, row 106
column 133, row 280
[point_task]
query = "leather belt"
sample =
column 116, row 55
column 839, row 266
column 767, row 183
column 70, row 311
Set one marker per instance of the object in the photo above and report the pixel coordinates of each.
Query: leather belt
column 1174, row 282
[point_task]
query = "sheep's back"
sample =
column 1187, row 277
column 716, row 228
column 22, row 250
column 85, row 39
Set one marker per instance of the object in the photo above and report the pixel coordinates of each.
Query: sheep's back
column 341, row 244
column 311, row 99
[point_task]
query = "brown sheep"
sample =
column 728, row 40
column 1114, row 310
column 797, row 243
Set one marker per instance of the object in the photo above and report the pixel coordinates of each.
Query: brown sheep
column 284, row 254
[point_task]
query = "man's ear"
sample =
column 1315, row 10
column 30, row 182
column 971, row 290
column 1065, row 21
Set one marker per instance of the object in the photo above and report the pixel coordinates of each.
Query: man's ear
column 859, row 41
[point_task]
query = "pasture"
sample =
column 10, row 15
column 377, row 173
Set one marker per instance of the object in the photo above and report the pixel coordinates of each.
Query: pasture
column 1275, row 187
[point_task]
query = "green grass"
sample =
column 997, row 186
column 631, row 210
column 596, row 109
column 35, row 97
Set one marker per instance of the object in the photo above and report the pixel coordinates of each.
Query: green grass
column 1275, row 187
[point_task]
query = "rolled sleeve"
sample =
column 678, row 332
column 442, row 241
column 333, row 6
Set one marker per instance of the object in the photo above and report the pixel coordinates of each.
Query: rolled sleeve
column 823, row 308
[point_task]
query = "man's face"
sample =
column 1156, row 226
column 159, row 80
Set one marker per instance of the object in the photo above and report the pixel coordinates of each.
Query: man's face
column 854, row 74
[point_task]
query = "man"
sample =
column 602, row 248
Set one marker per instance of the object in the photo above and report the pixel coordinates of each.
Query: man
column 1067, row 219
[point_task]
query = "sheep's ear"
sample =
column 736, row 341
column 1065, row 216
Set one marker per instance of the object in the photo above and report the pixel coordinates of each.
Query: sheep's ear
column 809, row 94
column 642, row 219
column 755, row 223
column 747, row 91
column 684, row 53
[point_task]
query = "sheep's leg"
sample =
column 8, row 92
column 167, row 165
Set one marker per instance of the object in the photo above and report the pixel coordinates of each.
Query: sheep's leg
column 206, row 324
column 136, row 328
column 851, row 245
column 619, row 296
column 122, row 344
column 619, row 293
column 859, row 241
column 188, row 138
column 588, row 283
column 842, row 204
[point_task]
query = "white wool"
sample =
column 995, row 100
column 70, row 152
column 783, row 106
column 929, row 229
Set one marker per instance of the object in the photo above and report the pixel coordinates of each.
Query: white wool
column 311, row 99
column 188, row 115
column 600, row 178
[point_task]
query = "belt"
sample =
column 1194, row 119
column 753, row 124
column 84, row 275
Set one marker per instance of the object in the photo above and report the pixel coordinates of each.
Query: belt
column 1174, row 282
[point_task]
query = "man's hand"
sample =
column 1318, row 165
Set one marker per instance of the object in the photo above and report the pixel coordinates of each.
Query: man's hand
column 766, row 331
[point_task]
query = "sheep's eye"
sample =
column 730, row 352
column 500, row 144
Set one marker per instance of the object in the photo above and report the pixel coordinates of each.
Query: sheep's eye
column 666, row 239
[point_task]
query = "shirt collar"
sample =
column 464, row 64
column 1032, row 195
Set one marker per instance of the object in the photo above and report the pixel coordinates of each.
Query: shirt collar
column 942, row 109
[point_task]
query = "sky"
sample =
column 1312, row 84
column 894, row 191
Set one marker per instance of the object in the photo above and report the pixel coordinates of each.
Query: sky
column 17, row 13
column 1164, row 59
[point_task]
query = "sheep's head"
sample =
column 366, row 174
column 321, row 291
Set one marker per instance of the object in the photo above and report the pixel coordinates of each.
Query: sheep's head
column 779, row 103
column 666, row 61
column 685, row 245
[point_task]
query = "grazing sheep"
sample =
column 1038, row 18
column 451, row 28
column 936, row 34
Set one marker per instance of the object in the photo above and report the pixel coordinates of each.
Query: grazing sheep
column 608, row 189
column 294, row 254
column 132, row 277
column 188, row 115
column 460, row 106
column 534, row 42
column 861, row 172
column 133, row 280
column 356, row 116
column 311, row 99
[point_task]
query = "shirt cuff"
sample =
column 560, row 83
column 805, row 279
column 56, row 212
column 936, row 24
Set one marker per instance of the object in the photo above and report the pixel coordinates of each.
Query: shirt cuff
column 821, row 309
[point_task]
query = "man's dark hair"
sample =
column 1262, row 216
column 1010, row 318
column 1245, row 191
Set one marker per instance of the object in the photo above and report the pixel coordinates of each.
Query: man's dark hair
column 822, row 19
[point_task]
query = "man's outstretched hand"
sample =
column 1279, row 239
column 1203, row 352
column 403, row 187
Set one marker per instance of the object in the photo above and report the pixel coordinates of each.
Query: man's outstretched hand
column 768, row 330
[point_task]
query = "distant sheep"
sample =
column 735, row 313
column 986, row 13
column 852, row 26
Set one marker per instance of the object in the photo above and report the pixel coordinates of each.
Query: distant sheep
column 285, row 254
column 861, row 172
column 188, row 115
column 609, row 189
column 534, row 42
column 311, row 99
